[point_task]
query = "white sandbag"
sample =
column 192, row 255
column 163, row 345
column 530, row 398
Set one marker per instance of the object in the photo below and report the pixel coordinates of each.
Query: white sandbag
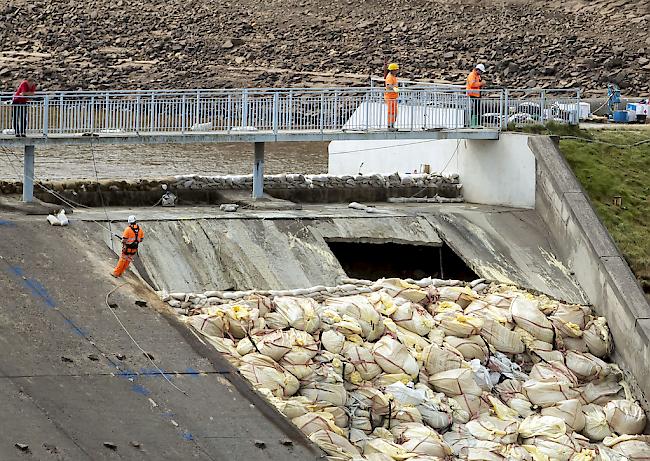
column 371, row 398
column 546, row 394
column 597, row 337
column 586, row 366
column 570, row 320
column 570, row 411
column 208, row 324
column 625, row 417
column 275, row 344
column 400, row 288
column 414, row 318
column 417, row 438
column 393, row 357
column 406, row 395
column 333, row 341
column 262, row 371
column 493, row 429
column 542, row 426
column 437, row 359
column 225, row 346
column 300, row 313
column 601, row 392
column 378, row 445
column 276, row 321
column 316, row 421
column 501, row 338
column 325, row 392
column 560, row 449
column 527, row 315
column 596, row 425
column 455, row 382
column 245, row 346
column 633, row 447
column 361, row 309
column 363, row 362
column 334, row 444
column 462, row 296
column 553, row 371
column 472, row 347
column 405, row 414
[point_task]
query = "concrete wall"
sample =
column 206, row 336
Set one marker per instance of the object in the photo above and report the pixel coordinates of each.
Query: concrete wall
column 498, row 172
column 586, row 247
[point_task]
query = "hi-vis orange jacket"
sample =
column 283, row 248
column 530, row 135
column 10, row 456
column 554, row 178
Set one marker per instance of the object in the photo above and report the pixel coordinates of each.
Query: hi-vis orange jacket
column 474, row 84
column 131, row 237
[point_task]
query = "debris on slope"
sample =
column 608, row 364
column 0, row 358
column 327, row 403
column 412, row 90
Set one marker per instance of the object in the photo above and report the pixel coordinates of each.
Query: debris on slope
column 429, row 370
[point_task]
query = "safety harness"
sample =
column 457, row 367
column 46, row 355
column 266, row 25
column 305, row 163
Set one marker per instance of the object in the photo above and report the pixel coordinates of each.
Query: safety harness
column 132, row 248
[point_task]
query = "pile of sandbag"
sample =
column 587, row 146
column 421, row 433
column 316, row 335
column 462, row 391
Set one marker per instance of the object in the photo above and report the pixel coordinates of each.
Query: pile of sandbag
column 427, row 370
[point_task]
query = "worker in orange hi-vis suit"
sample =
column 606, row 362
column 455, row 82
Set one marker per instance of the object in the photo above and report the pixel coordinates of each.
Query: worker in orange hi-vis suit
column 391, row 94
column 131, row 238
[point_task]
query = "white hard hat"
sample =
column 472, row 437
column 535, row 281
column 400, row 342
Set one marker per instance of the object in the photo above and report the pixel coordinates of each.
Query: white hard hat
column 131, row 219
column 480, row 67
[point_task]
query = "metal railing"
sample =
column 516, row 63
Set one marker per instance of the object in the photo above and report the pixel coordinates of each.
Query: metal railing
column 420, row 107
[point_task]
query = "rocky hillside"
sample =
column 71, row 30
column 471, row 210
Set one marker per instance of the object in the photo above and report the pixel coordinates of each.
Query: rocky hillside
column 93, row 44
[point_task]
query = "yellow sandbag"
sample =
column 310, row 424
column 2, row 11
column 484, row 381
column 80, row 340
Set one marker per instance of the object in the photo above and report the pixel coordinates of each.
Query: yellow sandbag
column 414, row 318
column 457, row 324
column 542, row 426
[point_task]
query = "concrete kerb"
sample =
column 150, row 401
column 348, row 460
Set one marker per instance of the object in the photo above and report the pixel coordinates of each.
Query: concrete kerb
column 591, row 253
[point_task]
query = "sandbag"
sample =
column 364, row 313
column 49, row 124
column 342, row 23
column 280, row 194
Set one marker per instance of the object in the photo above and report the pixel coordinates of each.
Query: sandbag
column 493, row 429
column 501, row 338
column 570, row 411
column 262, row 371
column 334, row 444
column 463, row 296
column 601, row 392
column 393, row 357
column 275, row 344
column 553, row 371
column 417, row 438
column 332, row 341
column 546, row 394
column 361, row 309
column 596, row 336
column 542, row 426
column 438, row 359
column 399, row 288
column 596, row 425
column 633, row 447
column 472, row 347
column 559, row 449
column 586, row 366
column 300, row 313
column 625, row 417
column 313, row 422
column 363, row 362
column 457, row 324
column 455, row 382
column 378, row 445
column 414, row 318
column 527, row 315
column 325, row 392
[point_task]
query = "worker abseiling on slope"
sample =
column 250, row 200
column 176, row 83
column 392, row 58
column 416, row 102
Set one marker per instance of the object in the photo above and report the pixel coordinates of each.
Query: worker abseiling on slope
column 391, row 94
column 131, row 239
column 474, row 86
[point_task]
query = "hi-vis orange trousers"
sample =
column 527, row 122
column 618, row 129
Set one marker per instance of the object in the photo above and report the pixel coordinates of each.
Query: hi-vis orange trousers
column 122, row 264
column 392, row 111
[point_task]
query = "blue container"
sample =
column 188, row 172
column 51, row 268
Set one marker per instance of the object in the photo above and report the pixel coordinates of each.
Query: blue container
column 620, row 116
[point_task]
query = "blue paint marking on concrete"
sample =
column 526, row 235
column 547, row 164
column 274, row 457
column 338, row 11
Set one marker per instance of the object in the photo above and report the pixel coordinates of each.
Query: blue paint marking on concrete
column 167, row 414
column 155, row 372
column 187, row 436
column 75, row 329
column 192, row 372
column 139, row 389
column 34, row 286
column 4, row 222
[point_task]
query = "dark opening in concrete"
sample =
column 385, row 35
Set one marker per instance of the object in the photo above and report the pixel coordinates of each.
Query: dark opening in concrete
column 372, row 261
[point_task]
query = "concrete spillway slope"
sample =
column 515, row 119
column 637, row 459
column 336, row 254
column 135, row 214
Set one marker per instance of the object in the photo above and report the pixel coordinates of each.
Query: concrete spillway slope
column 71, row 379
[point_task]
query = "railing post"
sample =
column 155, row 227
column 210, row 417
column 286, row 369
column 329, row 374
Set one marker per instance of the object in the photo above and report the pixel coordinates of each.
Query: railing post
column 276, row 110
column 152, row 113
column 542, row 104
column 412, row 101
column 258, row 171
column 196, row 107
column 290, row 110
column 46, row 114
column 92, row 114
column 506, row 109
column 368, row 111
column 106, row 113
column 28, row 174
column 183, row 114
column 229, row 115
column 322, row 111
column 578, row 107
column 244, row 108
column 137, row 113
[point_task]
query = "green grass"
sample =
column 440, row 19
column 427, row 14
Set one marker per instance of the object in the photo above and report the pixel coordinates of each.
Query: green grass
column 607, row 171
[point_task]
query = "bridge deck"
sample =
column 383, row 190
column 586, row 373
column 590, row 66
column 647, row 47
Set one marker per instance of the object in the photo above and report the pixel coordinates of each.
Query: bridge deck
column 178, row 137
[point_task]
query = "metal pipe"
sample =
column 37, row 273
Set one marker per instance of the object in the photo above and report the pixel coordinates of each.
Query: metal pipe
column 28, row 174
column 258, row 171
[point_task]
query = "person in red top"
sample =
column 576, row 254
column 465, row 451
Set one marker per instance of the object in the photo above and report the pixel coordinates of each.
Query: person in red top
column 131, row 239
column 19, row 110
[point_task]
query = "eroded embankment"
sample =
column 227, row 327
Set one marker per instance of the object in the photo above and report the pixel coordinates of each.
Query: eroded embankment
column 429, row 369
